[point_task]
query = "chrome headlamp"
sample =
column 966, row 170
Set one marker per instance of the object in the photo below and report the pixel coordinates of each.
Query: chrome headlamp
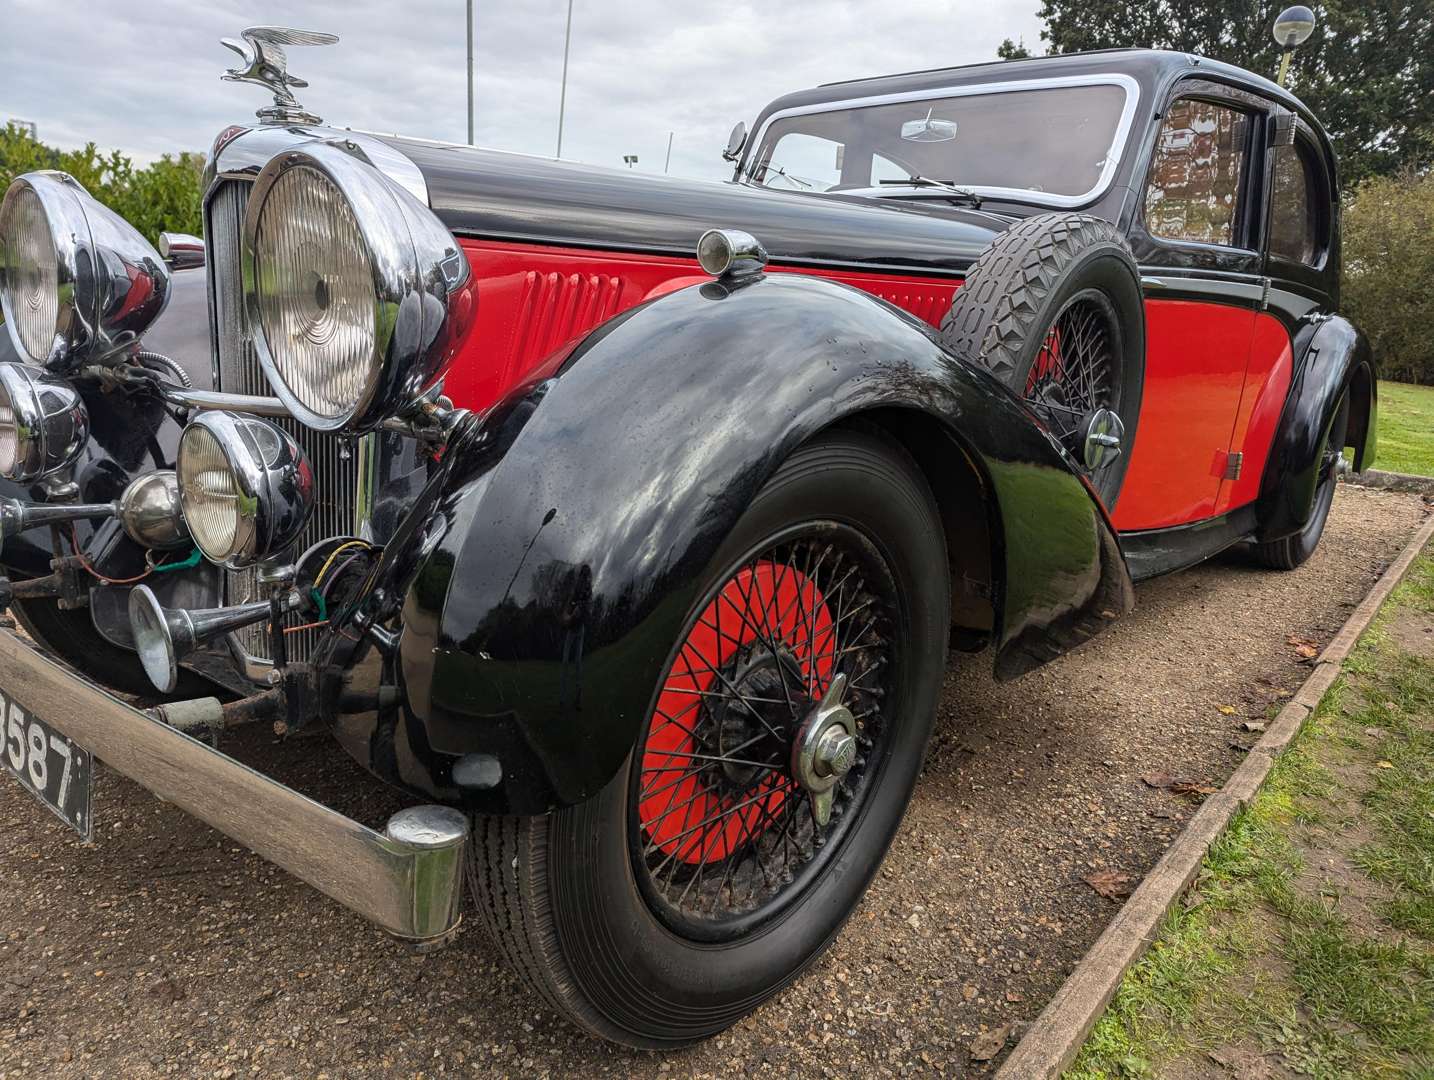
column 245, row 487
column 77, row 283
column 43, row 423
column 357, row 293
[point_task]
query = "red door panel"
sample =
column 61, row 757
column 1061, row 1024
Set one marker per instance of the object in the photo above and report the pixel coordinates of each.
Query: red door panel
column 1195, row 358
column 1267, row 383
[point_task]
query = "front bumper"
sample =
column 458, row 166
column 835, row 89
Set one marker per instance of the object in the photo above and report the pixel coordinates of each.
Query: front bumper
column 407, row 879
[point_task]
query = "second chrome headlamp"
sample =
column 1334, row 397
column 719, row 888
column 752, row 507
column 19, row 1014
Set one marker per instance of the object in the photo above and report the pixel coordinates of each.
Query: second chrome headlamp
column 245, row 487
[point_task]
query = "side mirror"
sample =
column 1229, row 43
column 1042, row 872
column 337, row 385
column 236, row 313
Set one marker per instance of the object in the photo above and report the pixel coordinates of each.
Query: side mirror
column 735, row 142
column 1293, row 26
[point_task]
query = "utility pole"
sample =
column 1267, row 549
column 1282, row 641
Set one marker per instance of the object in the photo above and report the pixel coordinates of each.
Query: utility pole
column 563, row 96
column 668, row 162
column 470, row 72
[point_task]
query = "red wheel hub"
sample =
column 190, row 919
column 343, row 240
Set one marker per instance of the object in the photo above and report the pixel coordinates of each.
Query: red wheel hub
column 714, row 764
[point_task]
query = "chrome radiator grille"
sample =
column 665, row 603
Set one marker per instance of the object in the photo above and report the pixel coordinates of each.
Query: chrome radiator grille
column 335, row 462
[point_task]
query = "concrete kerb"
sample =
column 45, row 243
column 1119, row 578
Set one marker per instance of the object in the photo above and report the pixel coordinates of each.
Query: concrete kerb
column 1055, row 1037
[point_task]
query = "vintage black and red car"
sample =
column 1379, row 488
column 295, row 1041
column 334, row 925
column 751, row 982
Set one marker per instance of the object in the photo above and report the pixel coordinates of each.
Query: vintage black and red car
column 623, row 522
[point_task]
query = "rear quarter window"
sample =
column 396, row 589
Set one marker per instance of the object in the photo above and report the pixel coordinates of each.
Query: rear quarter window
column 1294, row 208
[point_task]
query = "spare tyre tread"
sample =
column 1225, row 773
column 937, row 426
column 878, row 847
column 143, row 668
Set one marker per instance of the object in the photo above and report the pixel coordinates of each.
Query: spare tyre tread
column 1012, row 279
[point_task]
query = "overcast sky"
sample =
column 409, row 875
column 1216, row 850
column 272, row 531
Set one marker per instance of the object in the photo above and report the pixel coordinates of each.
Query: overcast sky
column 145, row 77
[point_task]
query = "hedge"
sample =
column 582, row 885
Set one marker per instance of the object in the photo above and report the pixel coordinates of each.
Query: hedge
column 165, row 196
column 1389, row 272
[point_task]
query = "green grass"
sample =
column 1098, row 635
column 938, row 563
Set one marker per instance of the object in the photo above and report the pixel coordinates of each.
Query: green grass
column 1406, row 429
column 1256, row 956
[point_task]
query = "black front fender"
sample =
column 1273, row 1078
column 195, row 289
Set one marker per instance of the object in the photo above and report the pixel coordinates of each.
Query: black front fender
column 561, row 560
column 1333, row 359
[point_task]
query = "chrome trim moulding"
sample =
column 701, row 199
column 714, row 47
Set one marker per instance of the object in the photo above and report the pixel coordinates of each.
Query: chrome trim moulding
column 1041, row 198
column 411, row 887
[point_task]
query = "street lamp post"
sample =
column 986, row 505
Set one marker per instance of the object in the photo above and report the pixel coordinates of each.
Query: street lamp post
column 563, row 95
column 629, row 160
column 470, row 72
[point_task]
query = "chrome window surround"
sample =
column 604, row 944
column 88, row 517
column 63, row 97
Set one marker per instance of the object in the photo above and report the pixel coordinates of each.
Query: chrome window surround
column 1112, row 158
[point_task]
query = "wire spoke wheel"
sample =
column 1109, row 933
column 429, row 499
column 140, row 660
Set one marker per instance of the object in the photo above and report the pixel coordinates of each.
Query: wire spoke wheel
column 1074, row 371
column 724, row 831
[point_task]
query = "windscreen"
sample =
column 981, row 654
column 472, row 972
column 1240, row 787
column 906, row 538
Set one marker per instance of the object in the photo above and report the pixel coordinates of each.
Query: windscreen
column 1053, row 141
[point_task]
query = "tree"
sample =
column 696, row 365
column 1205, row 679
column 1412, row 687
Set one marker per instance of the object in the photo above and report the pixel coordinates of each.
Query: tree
column 1367, row 72
column 163, row 197
column 1388, row 234
column 1013, row 50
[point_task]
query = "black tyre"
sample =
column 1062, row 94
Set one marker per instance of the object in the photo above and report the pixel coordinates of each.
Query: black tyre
column 71, row 635
column 654, row 924
column 1290, row 552
column 1053, row 308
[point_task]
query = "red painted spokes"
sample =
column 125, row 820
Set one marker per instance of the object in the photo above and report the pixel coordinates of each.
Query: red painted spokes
column 714, row 766
column 1073, row 374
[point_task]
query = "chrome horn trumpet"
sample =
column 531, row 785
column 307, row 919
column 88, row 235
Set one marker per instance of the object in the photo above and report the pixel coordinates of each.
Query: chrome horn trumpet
column 164, row 636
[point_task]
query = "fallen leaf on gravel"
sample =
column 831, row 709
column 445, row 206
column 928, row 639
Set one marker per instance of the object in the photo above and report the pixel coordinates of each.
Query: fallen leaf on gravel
column 1192, row 787
column 1306, row 647
column 988, row 1044
column 1111, row 884
column 968, row 992
column 1014, row 997
column 1166, row 782
column 1228, row 710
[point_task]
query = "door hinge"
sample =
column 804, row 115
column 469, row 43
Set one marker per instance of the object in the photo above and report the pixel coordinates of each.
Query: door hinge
column 1232, row 466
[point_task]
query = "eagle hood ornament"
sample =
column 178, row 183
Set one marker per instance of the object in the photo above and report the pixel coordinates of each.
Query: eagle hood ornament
column 267, row 64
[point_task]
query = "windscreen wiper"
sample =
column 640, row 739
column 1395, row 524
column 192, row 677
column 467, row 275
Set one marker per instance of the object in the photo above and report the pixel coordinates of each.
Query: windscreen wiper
column 945, row 185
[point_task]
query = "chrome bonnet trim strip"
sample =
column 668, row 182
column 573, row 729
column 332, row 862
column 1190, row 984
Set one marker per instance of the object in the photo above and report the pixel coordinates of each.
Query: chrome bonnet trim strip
column 410, row 887
column 242, row 156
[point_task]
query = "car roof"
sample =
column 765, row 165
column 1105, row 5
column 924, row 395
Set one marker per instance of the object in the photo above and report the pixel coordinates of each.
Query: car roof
column 1152, row 68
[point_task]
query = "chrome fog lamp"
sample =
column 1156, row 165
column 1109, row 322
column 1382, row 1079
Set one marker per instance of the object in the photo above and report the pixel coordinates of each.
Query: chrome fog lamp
column 150, row 512
column 357, row 293
column 78, row 284
column 43, row 423
column 245, row 487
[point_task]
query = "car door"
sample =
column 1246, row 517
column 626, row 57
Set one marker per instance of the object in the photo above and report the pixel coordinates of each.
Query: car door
column 1195, row 235
column 1298, row 245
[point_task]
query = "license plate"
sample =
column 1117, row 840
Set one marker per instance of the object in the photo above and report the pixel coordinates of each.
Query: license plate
column 48, row 765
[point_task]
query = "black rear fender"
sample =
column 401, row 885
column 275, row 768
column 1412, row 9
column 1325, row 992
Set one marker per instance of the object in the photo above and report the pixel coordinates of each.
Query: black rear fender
column 565, row 552
column 1332, row 360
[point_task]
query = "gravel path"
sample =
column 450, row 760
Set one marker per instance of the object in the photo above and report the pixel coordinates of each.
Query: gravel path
column 164, row 950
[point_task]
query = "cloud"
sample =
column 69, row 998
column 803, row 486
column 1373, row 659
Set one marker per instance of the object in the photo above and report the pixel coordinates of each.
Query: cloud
column 144, row 78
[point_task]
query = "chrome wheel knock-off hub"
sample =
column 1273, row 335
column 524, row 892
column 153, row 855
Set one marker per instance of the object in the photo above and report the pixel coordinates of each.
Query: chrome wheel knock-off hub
column 825, row 750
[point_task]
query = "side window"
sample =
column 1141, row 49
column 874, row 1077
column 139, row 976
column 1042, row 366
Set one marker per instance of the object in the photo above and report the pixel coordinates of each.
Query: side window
column 1195, row 175
column 804, row 162
column 1294, row 215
